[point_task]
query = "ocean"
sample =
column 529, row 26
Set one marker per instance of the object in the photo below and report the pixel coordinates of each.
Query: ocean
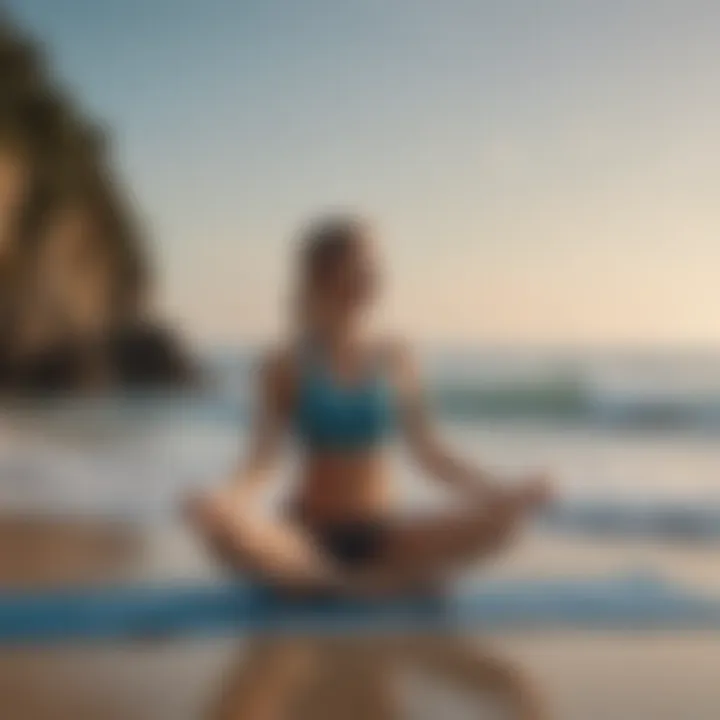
column 631, row 438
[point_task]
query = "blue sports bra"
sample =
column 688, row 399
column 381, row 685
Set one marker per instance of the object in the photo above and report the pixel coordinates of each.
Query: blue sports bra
column 330, row 416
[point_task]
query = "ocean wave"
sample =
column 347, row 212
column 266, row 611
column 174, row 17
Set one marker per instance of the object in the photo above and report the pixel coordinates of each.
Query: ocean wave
column 665, row 520
column 558, row 402
column 624, row 391
column 572, row 401
column 623, row 394
column 143, row 487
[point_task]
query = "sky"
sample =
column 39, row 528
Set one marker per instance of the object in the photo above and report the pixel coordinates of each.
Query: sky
column 539, row 172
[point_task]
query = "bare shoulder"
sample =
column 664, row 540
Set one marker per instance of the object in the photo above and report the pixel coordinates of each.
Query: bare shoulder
column 396, row 351
column 400, row 358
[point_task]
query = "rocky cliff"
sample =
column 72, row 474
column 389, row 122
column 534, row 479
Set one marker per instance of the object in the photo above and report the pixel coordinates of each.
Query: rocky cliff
column 75, row 275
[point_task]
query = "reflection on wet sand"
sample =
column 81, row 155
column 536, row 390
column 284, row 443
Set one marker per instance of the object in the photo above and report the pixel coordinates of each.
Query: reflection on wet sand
column 374, row 678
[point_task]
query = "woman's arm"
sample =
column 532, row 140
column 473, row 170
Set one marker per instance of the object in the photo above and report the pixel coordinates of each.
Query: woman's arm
column 266, row 433
column 275, row 551
column 425, row 444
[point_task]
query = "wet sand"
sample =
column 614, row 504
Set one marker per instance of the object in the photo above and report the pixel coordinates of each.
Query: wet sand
column 560, row 675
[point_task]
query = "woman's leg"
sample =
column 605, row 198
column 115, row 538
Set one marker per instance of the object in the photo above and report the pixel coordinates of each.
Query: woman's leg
column 275, row 550
column 354, row 681
column 417, row 551
column 429, row 548
column 466, row 664
column 265, row 682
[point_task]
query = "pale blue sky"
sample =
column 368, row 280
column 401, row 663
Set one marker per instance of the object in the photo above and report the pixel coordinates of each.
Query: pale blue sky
column 540, row 171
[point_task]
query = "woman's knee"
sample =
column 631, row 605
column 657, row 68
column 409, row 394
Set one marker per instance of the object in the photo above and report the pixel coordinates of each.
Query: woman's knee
column 210, row 518
column 493, row 533
column 207, row 513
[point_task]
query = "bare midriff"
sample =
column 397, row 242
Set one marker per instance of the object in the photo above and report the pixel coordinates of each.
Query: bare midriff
column 344, row 487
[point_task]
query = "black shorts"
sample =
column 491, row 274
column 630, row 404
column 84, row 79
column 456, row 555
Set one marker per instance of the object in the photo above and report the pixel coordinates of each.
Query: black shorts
column 353, row 543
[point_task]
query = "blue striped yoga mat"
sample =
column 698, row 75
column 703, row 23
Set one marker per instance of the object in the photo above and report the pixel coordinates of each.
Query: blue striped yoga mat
column 169, row 610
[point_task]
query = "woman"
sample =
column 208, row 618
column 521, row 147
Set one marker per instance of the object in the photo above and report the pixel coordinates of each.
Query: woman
column 344, row 396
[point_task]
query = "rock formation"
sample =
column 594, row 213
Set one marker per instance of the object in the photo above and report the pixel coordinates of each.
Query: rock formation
column 74, row 271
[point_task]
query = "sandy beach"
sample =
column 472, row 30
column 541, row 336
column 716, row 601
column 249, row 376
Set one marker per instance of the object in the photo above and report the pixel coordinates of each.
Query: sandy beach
column 560, row 675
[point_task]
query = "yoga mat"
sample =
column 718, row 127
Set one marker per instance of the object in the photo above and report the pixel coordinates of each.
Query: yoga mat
column 179, row 609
